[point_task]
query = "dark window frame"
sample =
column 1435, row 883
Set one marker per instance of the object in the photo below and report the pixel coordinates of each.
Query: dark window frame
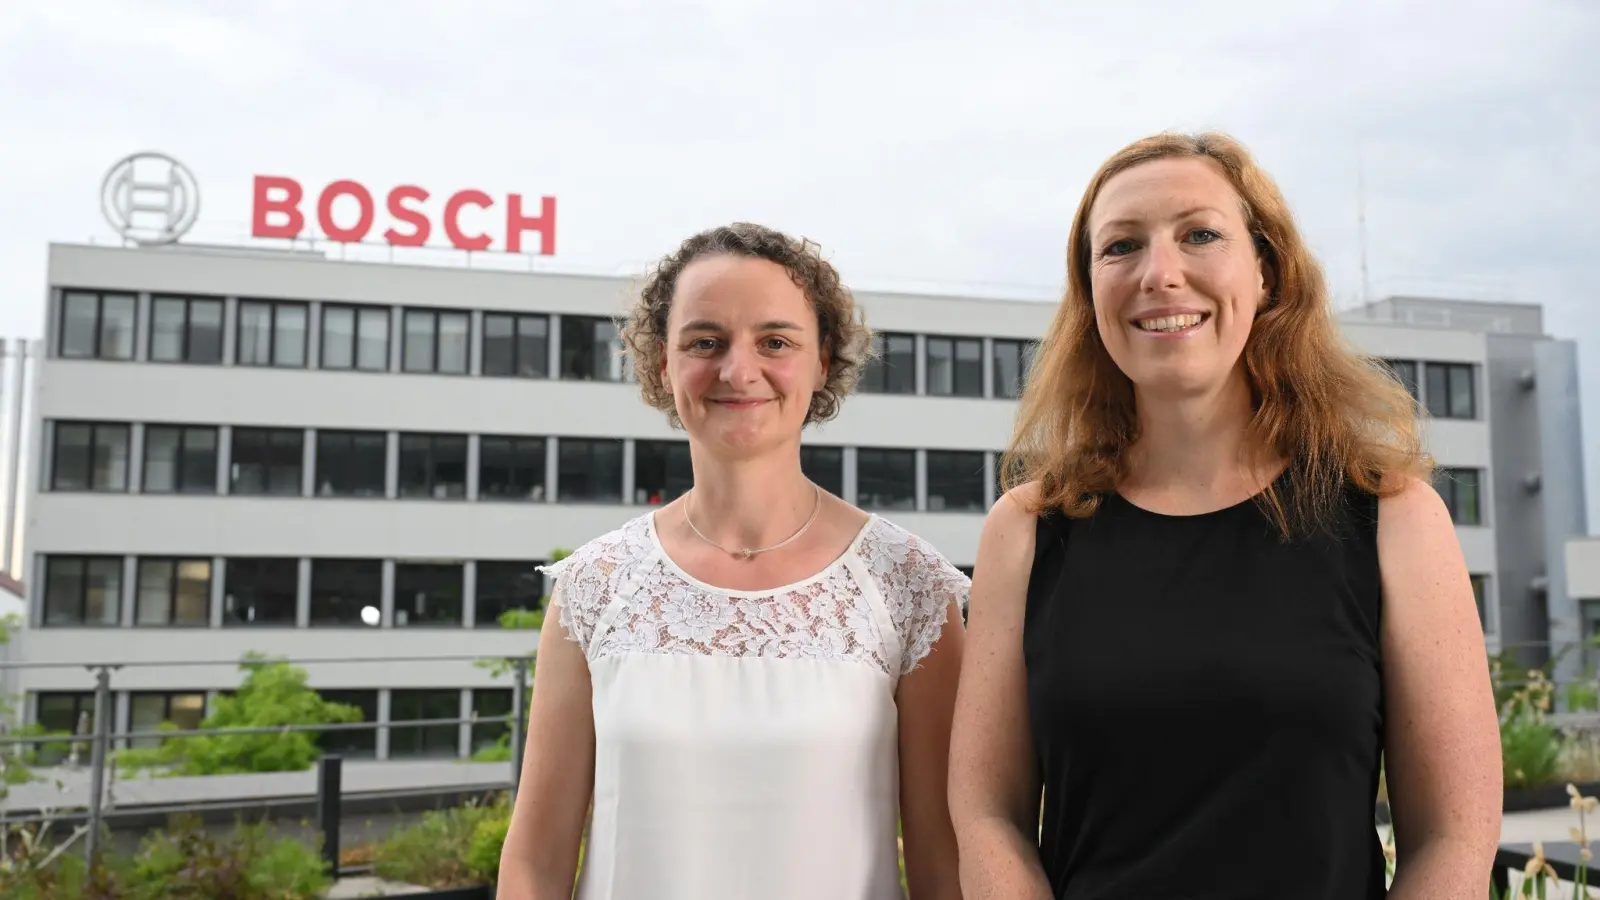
column 350, row 576
column 264, row 450
column 1025, row 348
column 1451, row 373
column 1453, row 488
column 352, row 743
column 84, row 562
column 435, row 316
column 256, row 575
column 273, row 308
column 813, row 471
column 356, row 311
column 516, row 446
column 403, row 737
column 99, row 351
column 186, row 338
column 348, row 438
column 958, row 384
column 519, row 574
column 408, row 441
column 94, row 427
column 516, row 361
column 590, row 347
column 886, row 454
column 172, row 565
column 166, row 698
column 978, row 479
column 881, row 372
column 456, row 573
column 1409, row 374
column 668, row 454
column 592, row 447
column 180, row 465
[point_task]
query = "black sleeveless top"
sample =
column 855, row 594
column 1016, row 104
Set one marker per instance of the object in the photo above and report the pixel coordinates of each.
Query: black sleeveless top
column 1206, row 704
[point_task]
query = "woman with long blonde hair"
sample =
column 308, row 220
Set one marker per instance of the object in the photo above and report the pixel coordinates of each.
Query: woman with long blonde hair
column 1219, row 594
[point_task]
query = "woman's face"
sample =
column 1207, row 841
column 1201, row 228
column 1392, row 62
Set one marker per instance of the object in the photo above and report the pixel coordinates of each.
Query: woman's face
column 743, row 355
column 1175, row 275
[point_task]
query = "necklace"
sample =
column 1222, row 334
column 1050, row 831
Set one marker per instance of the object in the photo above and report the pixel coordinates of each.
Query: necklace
column 747, row 552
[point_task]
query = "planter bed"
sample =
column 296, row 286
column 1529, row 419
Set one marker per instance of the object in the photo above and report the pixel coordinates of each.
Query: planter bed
column 477, row 892
column 1549, row 796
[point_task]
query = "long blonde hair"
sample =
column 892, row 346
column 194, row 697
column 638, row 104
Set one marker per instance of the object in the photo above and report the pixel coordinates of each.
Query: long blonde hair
column 1331, row 412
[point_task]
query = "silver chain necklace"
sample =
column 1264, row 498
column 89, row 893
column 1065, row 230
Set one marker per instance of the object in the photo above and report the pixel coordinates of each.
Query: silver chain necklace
column 747, row 552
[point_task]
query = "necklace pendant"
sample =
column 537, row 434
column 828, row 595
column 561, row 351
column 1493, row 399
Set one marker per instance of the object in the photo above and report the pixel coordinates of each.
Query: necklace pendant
column 746, row 551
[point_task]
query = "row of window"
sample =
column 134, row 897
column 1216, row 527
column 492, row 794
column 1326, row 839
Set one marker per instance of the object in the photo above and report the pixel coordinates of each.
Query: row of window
column 1462, row 490
column 95, row 590
column 278, row 333
column 206, row 459
column 1447, row 390
column 72, row 712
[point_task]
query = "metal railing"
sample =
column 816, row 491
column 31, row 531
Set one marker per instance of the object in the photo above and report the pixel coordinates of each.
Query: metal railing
column 101, row 736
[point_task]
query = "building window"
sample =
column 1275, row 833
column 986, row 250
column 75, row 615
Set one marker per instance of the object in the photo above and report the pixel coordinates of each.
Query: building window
column 516, row 345
column 180, row 459
column 1451, row 391
column 267, row 461
column 589, row 471
column 661, row 471
column 173, row 592
column 511, row 468
column 955, row 366
column 63, row 712
column 824, row 466
column 260, row 591
column 436, row 341
column 433, row 466
column 90, row 456
column 1480, row 588
column 147, row 711
column 272, row 334
column 955, row 481
column 441, row 740
column 590, row 349
column 489, row 703
column 355, row 337
column 187, row 330
column 1011, row 362
column 504, row 585
column 351, row 463
column 1406, row 371
column 893, row 366
column 427, row 594
column 347, row 592
column 352, row 743
column 82, row 590
column 1460, row 490
column 97, row 326
column 886, row 479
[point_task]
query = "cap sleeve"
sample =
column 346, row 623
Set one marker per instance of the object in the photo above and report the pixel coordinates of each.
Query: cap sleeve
column 931, row 584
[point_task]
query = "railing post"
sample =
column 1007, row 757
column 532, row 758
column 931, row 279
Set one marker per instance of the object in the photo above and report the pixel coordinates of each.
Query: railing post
column 329, row 793
column 97, row 759
column 519, row 722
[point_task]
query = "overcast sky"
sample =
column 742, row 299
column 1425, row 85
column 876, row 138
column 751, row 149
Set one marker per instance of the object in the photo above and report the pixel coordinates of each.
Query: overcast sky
column 928, row 145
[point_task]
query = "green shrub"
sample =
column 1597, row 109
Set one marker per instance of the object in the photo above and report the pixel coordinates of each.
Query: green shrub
column 438, row 851
column 483, row 853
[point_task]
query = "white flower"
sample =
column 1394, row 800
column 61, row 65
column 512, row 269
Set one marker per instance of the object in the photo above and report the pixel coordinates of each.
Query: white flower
column 693, row 616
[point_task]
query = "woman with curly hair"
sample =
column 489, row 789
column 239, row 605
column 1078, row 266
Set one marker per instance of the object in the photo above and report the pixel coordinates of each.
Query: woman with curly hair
column 1219, row 592
column 753, row 684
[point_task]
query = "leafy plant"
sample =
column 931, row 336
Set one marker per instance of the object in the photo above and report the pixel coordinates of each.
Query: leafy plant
column 273, row 693
column 445, row 848
column 483, row 852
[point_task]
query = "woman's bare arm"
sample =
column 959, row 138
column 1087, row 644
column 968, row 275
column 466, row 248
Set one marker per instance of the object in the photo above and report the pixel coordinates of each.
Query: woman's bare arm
column 926, row 698
column 994, row 786
column 540, row 857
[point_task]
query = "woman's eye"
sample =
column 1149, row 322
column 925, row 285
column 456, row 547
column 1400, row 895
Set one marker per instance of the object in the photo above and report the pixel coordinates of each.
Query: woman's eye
column 775, row 343
column 704, row 344
column 1118, row 248
column 1203, row 235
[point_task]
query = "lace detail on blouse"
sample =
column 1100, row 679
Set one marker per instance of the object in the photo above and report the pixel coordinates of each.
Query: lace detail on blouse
column 825, row 617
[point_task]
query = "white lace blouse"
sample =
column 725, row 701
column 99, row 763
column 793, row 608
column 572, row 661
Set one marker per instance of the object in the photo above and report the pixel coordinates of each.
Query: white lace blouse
column 746, row 742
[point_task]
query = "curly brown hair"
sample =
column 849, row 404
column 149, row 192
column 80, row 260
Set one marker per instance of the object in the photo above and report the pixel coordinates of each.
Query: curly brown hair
column 846, row 340
column 1334, row 413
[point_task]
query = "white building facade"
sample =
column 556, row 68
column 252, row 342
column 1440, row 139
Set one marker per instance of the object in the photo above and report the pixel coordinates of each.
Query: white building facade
column 239, row 450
